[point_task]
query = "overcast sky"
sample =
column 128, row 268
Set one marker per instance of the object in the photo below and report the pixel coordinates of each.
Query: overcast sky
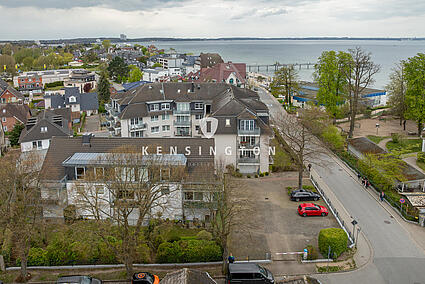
column 52, row 19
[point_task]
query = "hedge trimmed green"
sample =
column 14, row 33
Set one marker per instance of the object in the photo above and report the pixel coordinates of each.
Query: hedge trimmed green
column 188, row 251
column 336, row 238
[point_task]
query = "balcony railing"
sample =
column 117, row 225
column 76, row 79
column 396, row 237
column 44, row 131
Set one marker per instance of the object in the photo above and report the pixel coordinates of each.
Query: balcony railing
column 249, row 160
column 182, row 133
column 176, row 111
column 182, row 122
column 138, row 126
column 248, row 145
column 254, row 131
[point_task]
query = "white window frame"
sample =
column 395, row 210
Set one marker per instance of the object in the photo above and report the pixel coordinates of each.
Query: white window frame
column 43, row 129
column 154, row 107
column 166, row 128
column 199, row 105
column 154, row 127
column 78, row 177
column 165, row 116
column 154, row 118
column 165, row 106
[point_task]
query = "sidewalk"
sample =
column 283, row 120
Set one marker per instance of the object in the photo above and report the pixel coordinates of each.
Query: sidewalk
column 364, row 251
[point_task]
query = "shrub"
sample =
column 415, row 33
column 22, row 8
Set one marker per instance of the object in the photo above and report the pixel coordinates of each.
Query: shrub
column 261, row 174
column 266, row 173
column 248, row 176
column 396, row 138
column 188, row 251
column 421, row 157
column 335, row 238
column 173, row 236
column 256, row 176
column 312, row 252
column 37, row 257
column 333, row 138
column 204, row 235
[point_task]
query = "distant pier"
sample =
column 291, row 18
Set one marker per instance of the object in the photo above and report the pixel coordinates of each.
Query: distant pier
column 277, row 66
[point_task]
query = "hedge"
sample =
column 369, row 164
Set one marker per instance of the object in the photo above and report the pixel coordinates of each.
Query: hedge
column 188, row 251
column 336, row 238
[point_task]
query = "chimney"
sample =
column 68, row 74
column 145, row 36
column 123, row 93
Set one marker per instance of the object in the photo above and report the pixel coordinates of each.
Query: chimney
column 87, row 139
column 192, row 88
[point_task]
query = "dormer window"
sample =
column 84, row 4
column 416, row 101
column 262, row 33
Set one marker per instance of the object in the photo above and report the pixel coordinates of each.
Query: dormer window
column 43, row 129
column 199, row 106
column 154, row 107
column 165, row 106
column 227, row 122
column 72, row 99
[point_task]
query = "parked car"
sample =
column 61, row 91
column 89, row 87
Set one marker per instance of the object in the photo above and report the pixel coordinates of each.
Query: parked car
column 144, row 278
column 78, row 279
column 248, row 273
column 302, row 194
column 311, row 209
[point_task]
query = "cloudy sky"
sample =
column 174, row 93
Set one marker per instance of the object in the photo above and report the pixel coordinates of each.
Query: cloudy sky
column 52, row 19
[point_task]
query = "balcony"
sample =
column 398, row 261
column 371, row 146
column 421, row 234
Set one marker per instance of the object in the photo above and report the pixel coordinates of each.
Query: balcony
column 108, row 107
column 252, row 132
column 182, row 133
column 248, row 145
column 176, row 112
column 140, row 126
column 249, row 160
column 182, row 123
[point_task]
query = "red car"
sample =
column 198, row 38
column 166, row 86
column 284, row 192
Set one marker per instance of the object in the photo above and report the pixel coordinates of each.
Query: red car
column 311, row 209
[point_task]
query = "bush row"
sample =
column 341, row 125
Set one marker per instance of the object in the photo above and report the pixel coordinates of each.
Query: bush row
column 188, row 251
column 335, row 239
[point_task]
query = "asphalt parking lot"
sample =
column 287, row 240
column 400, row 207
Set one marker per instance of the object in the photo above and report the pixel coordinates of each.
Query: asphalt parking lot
column 274, row 225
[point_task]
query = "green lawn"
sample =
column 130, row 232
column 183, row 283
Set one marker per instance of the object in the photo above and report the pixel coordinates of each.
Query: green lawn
column 406, row 145
column 57, row 88
column 377, row 139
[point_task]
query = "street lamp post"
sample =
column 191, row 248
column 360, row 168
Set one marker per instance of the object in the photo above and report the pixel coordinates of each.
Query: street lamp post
column 377, row 127
column 354, row 222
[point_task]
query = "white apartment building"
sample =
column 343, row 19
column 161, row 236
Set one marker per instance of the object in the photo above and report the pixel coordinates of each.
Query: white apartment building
column 169, row 110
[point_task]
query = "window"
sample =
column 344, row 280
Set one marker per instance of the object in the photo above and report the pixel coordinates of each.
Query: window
column 43, row 129
column 99, row 172
column 135, row 121
column 188, row 196
column 198, row 196
column 34, row 144
column 136, row 134
column 165, row 189
column 198, row 116
column 155, row 129
column 165, row 128
column 165, row 106
column 197, row 127
column 248, row 140
column 227, row 122
column 247, row 124
column 154, row 118
column 182, row 118
column 165, row 116
column 72, row 99
column 125, row 194
column 199, row 105
column 154, row 107
column 3, row 119
column 165, row 174
column 39, row 144
column 183, row 106
column 80, row 172
column 100, row 189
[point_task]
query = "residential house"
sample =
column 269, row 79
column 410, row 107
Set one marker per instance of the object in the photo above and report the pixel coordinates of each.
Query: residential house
column 242, row 133
column 230, row 73
column 40, row 129
column 69, row 160
column 9, row 95
column 157, row 74
column 12, row 114
column 206, row 60
column 75, row 100
column 84, row 80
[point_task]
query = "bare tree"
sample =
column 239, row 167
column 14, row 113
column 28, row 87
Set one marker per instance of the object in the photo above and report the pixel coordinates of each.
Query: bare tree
column 20, row 202
column 124, row 189
column 298, row 133
column 359, row 75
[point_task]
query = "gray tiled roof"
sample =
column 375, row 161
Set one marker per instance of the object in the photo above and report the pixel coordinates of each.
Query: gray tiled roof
column 19, row 111
column 87, row 101
column 45, row 119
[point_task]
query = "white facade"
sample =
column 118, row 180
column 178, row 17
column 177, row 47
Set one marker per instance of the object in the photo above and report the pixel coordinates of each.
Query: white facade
column 153, row 75
column 35, row 145
column 48, row 76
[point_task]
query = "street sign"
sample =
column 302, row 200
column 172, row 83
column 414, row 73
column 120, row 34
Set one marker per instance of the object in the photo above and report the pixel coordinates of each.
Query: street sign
column 354, row 222
column 402, row 200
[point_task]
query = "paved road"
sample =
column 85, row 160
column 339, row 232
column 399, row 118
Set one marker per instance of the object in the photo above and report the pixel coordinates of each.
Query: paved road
column 396, row 257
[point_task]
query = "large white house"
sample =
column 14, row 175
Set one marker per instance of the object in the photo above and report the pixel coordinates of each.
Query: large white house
column 235, row 118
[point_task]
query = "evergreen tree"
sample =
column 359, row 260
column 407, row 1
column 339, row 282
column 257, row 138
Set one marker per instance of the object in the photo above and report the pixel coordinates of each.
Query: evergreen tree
column 103, row 89
column 15, row 134
column 118, row 70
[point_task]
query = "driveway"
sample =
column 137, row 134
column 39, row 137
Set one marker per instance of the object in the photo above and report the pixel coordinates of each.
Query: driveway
column 274, row 225
column 92, row 123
